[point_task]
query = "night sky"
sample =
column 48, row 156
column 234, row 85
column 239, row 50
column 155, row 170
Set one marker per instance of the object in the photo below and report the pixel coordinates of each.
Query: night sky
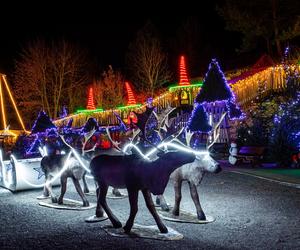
column 107, row 36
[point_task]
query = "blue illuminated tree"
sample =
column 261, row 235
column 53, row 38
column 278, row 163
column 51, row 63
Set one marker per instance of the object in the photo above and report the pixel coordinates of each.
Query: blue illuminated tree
column 285, row 138
column 42, row 123
column 198, row 121
column 216, row 89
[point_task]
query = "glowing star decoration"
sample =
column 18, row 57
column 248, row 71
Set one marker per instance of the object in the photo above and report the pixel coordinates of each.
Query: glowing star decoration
column 183, row 80
column 131, row 98
column 40, row 172
column 91, row 104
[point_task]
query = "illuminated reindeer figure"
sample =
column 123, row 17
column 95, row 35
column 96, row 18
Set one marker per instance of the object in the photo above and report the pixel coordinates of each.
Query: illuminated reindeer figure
column 68, row 166
column 134, row 173
column 193, row 174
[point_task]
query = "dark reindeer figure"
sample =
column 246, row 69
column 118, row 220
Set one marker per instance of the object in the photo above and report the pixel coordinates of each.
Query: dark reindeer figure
column 51, row 165
column 135, row 174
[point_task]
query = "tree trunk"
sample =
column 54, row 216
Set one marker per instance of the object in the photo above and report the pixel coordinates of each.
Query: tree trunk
column 268, row 47
column 275, row 26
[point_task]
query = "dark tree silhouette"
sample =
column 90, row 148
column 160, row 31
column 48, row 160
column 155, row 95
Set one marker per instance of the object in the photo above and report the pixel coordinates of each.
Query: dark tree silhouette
column 42, row 123
column 215, row 87
column 199, row 120
column 274, row 21
column 147, row 61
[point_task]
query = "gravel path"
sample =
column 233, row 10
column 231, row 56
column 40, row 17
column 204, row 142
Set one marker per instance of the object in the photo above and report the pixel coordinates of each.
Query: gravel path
column 250, row 214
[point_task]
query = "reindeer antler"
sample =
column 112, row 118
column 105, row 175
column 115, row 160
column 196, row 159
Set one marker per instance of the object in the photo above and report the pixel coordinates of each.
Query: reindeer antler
column 116, row 144
column 188, row 137
column 122, row 123
column 174, row 136
column 163, row 122
column 135, row 133
column 64, row 141
column 216, row 131
column 87, row 136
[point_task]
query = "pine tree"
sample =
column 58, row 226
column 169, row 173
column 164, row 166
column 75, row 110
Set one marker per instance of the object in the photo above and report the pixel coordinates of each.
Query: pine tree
column 215, row 87
column 91, row 104
column 131, row 99
column 233, row 110
column 42, row 123
column 198, row 121
column 285, row 139
column 183, row 77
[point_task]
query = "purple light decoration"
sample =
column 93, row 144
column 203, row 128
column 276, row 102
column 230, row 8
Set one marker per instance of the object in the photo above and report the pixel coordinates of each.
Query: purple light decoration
column 287, row 122
column 42, row 123
column 216, row 91
column 198, row 121
column 64, row 112
column 234, row 112
column 215, row 86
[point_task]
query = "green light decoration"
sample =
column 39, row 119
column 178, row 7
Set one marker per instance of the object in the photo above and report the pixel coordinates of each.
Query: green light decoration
column 196, row 85
column 129, row 106
column 85, row 111
column 88, row 111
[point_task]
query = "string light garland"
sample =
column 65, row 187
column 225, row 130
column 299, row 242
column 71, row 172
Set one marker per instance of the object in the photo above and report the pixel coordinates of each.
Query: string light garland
column 131, row 99
column 183, row 77
column 91, row 104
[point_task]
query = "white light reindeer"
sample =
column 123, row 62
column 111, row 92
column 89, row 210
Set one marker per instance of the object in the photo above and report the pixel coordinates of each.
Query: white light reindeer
column 193, row 174
column 67, row 166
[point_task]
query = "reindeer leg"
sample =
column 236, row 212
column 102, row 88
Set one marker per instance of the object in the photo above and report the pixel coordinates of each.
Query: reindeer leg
column 85, row 186
column 102, row 198
column 80, row 192
column 177, row 189
column 162, row 202
column 99, row 210
column 151, row 208
column 116, row 192
column 48, row 186
column 133, row 200
column 195, row 197
column 63, row 182
column 157, row 200
column 45, row 191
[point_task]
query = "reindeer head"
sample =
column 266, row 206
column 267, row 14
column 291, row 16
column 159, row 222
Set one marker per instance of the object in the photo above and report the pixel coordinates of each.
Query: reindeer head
column 205, row 162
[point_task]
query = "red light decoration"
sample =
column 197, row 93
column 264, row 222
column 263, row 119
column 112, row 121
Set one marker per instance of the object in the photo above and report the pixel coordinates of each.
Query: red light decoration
column 131, row 98
column 182, row 73
column 91, row 104
column 132, row 118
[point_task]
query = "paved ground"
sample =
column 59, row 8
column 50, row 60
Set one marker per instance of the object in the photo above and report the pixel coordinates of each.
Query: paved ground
column 250, row 214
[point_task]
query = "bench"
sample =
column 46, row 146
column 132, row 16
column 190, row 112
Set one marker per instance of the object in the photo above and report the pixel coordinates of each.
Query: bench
column 251, row 154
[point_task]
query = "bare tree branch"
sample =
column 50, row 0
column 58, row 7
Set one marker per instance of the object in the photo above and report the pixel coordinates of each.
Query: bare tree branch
column 148, row 62
column 50, row 75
